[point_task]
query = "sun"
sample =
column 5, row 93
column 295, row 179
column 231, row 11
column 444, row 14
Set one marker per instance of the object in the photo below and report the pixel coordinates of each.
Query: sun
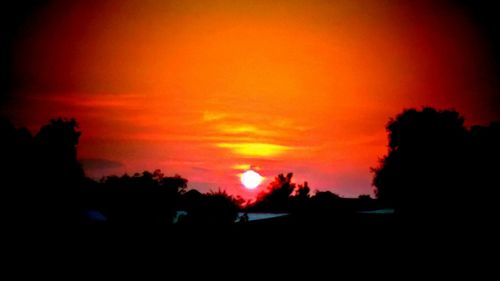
column 251, row 179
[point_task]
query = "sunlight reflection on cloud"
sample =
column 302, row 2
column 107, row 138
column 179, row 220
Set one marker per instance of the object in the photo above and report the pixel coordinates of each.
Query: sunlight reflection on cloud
column 256, row 149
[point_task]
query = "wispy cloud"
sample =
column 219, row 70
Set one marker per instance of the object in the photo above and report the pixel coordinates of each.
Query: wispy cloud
column 242, row 167
column 243, row 129
column 256, row 149
column 210, row 116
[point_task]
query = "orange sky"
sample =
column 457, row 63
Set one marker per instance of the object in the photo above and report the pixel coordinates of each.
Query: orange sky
column 208, row 88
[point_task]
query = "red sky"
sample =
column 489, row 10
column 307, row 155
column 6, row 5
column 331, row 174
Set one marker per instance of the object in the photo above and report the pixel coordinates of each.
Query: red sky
column 206, row 89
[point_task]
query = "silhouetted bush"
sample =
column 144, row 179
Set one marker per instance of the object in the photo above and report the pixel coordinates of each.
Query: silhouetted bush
column 211, row 208
column 147, row 198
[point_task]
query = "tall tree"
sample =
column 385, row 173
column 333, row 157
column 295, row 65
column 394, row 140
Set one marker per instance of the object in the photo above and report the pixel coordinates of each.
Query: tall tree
column 424, row 171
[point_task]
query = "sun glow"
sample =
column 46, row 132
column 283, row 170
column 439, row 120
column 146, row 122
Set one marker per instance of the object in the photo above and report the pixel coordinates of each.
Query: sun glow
column 251, row 179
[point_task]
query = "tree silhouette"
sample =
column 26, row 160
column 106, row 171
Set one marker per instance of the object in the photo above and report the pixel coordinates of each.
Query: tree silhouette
column 56, row 147
column 304, row 208
column 302, row 191
column 484, row 164
column 425, row 171
column 277, row 196
column 436, row 171
column 50, row 194
column 58, row 170
column 16, row 170
column 147, row 198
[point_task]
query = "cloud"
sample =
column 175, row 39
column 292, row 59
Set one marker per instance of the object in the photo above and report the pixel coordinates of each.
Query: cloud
column 99, row 164
column 243, row 129
column 213, row 116
column 242, row 167
column 255, row 149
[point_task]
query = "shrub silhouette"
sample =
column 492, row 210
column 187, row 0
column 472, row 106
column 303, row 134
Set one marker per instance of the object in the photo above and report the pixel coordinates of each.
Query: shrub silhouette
column 210, row 208
column 147, row 198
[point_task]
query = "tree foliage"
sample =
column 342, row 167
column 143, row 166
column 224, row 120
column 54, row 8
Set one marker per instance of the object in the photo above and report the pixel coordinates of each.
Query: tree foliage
column 435, row 167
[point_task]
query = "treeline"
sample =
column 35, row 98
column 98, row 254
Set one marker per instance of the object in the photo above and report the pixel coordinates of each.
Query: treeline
column 43, row 183
column 283, row 195
column 436, row 171
column 152, row 198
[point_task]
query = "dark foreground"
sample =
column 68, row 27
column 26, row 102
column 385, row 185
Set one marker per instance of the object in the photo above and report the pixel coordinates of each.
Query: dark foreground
column 366, row 230
column 282, row 248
